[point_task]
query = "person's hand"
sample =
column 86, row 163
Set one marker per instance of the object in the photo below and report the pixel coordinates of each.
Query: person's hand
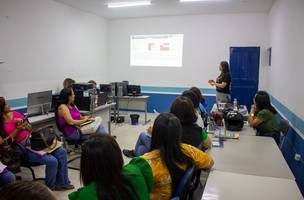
column 1, row 140
column 211, row 82
column 149, row 130
column 86, row 118
column 253, row 109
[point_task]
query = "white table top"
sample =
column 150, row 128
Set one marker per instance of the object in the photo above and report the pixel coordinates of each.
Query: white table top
column 98, row 108
column 230, row 186
column 41, row 118
column 134, row 97
column 251, row 155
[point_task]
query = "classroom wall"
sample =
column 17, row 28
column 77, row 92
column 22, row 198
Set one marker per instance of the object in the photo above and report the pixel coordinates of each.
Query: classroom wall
column 284, row 77
column 43, row 41
column 285, row 74
column 207, row 39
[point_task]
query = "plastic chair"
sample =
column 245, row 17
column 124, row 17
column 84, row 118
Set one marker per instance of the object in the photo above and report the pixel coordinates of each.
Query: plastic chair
column 66, row 142
column 188, row 183
column 284, row 127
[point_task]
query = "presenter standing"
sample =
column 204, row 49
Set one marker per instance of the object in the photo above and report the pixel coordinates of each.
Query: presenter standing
column 222, row 84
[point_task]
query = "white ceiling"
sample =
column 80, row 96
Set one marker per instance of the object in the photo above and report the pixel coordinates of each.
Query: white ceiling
column 171, row 7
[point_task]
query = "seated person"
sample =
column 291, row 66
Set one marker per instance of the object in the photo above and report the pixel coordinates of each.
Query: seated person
column 26, row 190
column 192, row 134
column 13, row 126
column 6, row 177
column 68, row 83
column 69, row 117
column 142, row 146
column 169, row 158
column 202, row 105
column 103, row 174
column 196, row 102
column 262, row 117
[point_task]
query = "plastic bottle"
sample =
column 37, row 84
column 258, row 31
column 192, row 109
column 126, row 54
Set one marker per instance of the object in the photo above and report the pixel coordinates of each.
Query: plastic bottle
column 235, row 105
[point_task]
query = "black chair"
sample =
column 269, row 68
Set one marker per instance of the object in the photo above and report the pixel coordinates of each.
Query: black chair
column 188, row 184
column 67, row 142
column 284, row 127
column 27, row 164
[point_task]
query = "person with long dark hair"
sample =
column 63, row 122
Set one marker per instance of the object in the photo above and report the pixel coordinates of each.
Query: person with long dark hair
column 104, row 177
column 202, row 105
column 26, row 190
column 192, row 134
column 14, row 127
column 195, row 99
column 262, row 116
column 69, row 117
column 169, row 158
column 222, row 83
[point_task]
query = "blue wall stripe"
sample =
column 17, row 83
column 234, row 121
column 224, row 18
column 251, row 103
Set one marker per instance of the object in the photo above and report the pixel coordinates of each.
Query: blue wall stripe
column 175, row 89
column 17, row 102
column 296, row 121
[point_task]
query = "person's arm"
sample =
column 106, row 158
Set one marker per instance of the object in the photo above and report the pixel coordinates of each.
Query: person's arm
column 252, row 119
column 208, row 143
column 221, row 85
column 201, row 159
column 65, row 113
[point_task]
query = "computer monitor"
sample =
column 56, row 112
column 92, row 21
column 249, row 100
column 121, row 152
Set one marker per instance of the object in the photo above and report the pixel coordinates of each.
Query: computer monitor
column 134, row 90
column 39, row 102
column 106, row 88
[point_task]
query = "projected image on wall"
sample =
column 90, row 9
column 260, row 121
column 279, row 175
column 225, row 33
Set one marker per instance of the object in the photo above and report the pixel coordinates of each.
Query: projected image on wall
column 164, row 50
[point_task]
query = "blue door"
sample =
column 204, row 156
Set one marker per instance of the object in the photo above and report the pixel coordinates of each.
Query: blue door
column 244, row 67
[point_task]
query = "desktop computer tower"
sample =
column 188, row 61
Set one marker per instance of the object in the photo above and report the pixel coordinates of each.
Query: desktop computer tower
column 125, row 88
column 117, row 89
column 85, row 96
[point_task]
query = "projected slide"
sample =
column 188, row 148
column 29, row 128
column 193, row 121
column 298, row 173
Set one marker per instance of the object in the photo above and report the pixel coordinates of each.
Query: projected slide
column 164, row 50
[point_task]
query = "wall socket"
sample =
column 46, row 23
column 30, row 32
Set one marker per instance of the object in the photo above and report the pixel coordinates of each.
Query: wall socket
column 297, row 157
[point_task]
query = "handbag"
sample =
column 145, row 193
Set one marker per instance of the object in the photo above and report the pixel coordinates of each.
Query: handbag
column 10, row 156
column 91, row 127
column 43, row 138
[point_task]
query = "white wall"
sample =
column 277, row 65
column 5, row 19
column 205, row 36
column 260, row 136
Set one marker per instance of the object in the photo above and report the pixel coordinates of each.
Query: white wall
column 42, row 42
column 207, row 39
column 285, row 76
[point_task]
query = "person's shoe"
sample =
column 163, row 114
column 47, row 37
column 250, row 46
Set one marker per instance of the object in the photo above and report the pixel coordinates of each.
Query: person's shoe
column 62, row 188
column 129, row 153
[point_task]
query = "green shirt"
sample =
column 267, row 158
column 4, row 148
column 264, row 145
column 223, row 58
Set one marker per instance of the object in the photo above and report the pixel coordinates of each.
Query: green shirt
column 269, row 123
column 137, row 174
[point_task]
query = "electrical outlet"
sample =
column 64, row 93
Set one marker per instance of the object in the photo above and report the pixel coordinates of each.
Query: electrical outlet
column 297, row 157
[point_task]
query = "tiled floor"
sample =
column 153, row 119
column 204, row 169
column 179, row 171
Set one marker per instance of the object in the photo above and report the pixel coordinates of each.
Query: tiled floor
column 126, row 137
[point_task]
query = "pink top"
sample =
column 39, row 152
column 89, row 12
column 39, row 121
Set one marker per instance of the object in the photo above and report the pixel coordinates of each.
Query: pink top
column 10, row 127
column 69, row 129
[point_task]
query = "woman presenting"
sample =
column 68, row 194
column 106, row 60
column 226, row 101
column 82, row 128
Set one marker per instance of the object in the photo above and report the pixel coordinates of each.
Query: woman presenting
column 222, row 84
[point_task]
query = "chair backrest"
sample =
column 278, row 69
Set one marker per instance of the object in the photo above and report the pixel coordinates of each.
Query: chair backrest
column 188, row 183
column 284, row 126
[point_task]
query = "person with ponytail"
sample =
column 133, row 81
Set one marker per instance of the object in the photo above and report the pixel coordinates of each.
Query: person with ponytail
column 169, row 158
column 262, row 116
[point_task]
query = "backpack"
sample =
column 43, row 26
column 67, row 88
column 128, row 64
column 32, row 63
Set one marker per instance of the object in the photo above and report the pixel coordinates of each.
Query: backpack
column 234, row 121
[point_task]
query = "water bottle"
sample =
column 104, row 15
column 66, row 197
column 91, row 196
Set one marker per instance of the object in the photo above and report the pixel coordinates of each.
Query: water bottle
column 235, row 105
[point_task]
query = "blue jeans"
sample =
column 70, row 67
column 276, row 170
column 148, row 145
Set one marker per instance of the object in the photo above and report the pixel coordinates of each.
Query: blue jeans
column 76, row 134
column 143, row 144
column 6, row 177
column 56, row 166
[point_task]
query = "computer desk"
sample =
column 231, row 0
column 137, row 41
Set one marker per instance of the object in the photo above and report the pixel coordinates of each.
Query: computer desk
column 251, row 155
column 138, row 103
column 103, row 111
column 232, row 186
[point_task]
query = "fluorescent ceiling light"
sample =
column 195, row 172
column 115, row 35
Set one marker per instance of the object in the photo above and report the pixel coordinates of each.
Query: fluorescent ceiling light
column 128, row 4
column 201, row 0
